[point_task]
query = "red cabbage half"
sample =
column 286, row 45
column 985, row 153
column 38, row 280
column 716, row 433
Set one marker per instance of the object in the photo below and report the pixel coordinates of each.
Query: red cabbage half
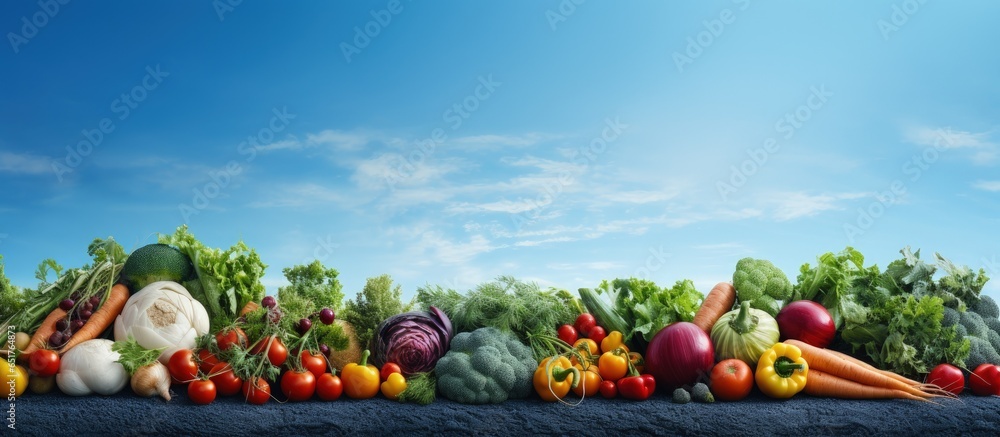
column 414, row 340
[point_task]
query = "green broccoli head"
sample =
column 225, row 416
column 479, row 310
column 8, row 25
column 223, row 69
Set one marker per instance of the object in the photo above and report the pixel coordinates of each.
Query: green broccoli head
column 980, row 351
column 986, row 307
column 761, row 283
column 974, row 324
column 951, row 317
column 994, row 338
column 993, row 324
column 485, row 366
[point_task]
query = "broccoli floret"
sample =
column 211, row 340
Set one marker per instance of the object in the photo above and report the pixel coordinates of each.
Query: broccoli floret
column 986, row 307
column 681, row 396
column 994, row 338
column 701, row 393
column 980, row 351
column 993, row 324
column 761, row 283
column 974, row 324
column 960, row 331
column 951, row 317
column 485, row 366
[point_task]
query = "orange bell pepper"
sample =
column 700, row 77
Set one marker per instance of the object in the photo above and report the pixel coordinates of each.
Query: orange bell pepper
column 361, row 380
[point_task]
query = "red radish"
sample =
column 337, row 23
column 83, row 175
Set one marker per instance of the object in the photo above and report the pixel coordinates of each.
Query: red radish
column 806, row 321
column 947, row 377
column 985, row 380
column 680, row 354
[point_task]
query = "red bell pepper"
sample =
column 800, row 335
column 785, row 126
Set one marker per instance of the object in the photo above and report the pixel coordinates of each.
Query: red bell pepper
column 637, row 387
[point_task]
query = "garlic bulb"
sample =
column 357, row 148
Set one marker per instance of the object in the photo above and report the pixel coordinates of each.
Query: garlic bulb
column 151, row 380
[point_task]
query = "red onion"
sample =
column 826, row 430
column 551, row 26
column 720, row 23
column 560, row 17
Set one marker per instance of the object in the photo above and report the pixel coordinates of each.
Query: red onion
column 806, row 321
column 679, row 354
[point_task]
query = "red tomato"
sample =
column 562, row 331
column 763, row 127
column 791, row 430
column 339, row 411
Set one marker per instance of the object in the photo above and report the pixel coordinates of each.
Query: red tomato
column 226, row 382
column 182, row 367
column 231, row 337
column 44, row 362
column 389, row 369
column 298, row 386
column 731, row 380
column 583, row 324
column 985, row 380
column 568, row 334
column 947, row 377
column 206, row 361
column 277, row 353
column 329, row 387
column 315, row 363
column 202, row 391
column 256, row 391
column 608, row 389
column 597, row 333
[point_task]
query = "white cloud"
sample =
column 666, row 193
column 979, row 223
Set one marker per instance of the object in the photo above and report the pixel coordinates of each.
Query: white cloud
column 392, row 170
column 987, row 185
column 790, row 206
column 506, row 206
column 495, row 142
column 286, row 144
column 946, row 138
column 451, row 252
column 301, row 195
column 340, row 140
column 640, row 196
column 596, row 265
column 24, row 163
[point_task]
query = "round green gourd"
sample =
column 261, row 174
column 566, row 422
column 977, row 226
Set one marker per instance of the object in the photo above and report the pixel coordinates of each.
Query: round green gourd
column 744, row 333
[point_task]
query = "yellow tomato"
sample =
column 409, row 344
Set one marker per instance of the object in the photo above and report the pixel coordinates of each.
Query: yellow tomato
column 18, row 375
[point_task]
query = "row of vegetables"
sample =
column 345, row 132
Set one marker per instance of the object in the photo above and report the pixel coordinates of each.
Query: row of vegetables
column 180, row 315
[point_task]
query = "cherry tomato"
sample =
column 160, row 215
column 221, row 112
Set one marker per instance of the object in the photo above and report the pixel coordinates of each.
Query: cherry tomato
column 389, row 369
column 947, row 377
column 315, row 363
column 277, row 353
column 298, row 386
column 226, row 382
column 231, row 337
column 568, row 334
column 256, row 391
column 608, row 389
column 329, row 387
column 202, row 391
column 44, row 362
column 731, row 380
column 182, row 367
column 597, row 333
column 583, row 324
column 985, row 380
column 206, row 360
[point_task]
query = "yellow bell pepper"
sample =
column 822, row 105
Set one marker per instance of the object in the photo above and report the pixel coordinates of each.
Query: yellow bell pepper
column 554, row 377
column 393, row 385
column 613, row 365
column 781, row 371
column 361, row 380
column 613, row 341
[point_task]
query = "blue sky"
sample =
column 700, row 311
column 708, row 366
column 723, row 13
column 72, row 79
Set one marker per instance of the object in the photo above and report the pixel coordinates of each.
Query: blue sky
column 458, row 141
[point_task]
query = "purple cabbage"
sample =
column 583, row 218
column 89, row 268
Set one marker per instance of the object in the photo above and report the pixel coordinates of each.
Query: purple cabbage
column 414, row 340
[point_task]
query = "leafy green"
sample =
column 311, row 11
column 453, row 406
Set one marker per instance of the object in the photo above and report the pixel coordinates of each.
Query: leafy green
column 316, row 283
column 133, row 356
column 648, row 307
column 421, row 389
column 12, row 299
column 227, row 280
column 377, row 301
column 831, row 282
column 509, row 305
column 106, row 250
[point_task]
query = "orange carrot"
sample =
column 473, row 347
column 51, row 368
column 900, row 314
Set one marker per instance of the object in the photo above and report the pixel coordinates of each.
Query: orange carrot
column 250, row 306
column 41, row 336
column 824, row 361
column 718, row 302
column 892, row 375
column 821, row 384
column 101, row 319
